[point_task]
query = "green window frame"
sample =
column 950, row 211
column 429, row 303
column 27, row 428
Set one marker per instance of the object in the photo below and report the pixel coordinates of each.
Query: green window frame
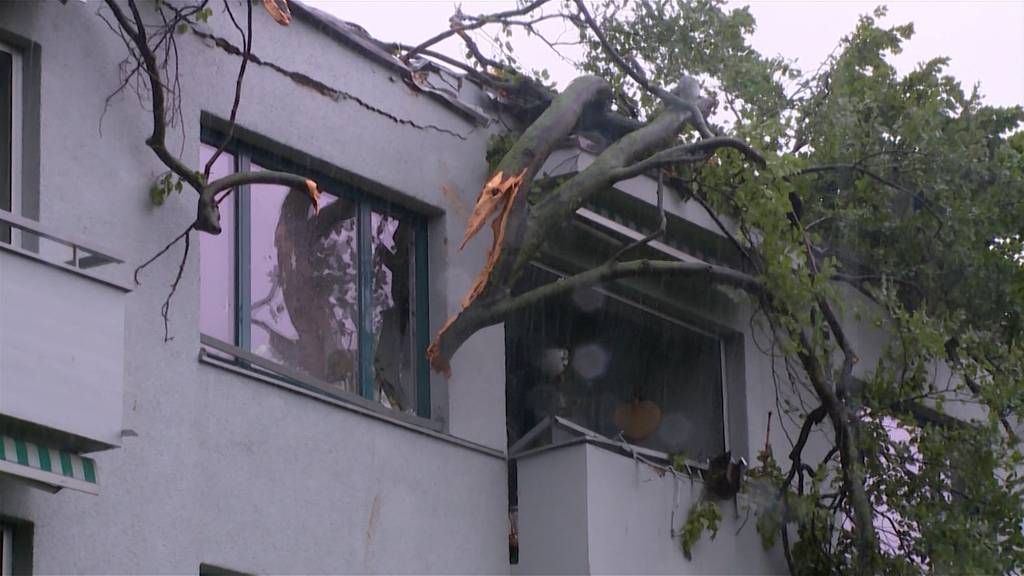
column 239, row 203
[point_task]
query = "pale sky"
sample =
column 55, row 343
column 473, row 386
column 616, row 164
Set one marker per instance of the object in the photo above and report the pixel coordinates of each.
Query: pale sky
column 985, row 39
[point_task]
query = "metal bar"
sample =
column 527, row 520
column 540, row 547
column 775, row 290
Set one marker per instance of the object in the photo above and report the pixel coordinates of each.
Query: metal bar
column 122, row 285
column 421, row 304
column 243, row 259
column 615, row 227
column 725, row 395
column 62, row 238
column 365, row 275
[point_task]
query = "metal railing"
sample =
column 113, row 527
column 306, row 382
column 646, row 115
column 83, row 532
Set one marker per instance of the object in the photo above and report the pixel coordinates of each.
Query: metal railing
column 34, row 240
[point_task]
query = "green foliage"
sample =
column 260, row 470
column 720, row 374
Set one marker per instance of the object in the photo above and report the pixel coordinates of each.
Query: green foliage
column 497, row 146
column 703, row 516
column 163, row 187
column 911, row 197
column 204, row 13
column 915, row 186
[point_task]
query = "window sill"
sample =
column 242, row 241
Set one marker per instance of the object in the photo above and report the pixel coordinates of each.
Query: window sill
column 222, row 355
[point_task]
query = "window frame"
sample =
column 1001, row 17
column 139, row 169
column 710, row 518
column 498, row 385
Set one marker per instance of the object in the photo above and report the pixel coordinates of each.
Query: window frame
column 6, row 549
column 721, row 340
column 16, row 112
column 244, row 156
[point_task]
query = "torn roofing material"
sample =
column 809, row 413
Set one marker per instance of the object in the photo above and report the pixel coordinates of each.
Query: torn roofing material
column 355, row 37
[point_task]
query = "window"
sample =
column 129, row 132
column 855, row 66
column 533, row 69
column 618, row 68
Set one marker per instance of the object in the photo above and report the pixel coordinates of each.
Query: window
column 6, row 550
column 10, row 130
column 338, row 299
column 613, row 366
column 15, row 547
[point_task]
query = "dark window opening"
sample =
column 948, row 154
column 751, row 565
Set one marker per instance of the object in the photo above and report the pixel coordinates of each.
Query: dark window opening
column 613, row 368
column 15, row 547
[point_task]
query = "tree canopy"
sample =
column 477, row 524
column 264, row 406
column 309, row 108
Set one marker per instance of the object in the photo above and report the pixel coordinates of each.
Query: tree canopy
column 905, row 190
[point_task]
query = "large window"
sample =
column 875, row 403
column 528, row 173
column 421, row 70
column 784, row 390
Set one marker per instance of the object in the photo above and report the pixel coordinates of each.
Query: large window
column 614, row 367
column 338, row 298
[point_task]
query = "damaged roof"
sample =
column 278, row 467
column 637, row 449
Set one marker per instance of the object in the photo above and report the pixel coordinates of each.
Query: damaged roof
column 416, row 74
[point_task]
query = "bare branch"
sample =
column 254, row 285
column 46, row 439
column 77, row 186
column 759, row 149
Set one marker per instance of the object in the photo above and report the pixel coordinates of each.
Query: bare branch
column 476, row 22
column 728, row 233
column 477, row 317
column 165, row 310
column 953, row 355
column 162, row 251
column 156, row 141
column 208, row 213
column 658, row 232
column 813, row 418
column 246, row 54
column 637, row 74
column 698, row 151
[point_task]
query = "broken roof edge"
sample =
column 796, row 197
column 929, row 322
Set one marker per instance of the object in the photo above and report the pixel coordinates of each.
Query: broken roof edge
column 356, row 38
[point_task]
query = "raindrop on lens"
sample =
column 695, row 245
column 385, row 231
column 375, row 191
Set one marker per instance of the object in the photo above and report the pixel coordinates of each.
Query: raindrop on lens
column 590, row 360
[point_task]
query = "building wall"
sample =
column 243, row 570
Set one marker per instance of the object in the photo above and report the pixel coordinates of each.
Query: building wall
column 216, row 467
column 553, row 513
column 605, row 513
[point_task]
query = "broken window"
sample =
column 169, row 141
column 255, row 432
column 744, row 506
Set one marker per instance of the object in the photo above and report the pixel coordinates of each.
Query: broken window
column 337, row 299
column 614, row 367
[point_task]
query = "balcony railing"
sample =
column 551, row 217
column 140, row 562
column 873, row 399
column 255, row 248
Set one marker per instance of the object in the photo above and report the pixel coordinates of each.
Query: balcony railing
column 37, row 241
column 62, row 338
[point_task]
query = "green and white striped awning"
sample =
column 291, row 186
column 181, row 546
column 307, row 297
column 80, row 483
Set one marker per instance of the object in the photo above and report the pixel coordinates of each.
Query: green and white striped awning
column 50, row 466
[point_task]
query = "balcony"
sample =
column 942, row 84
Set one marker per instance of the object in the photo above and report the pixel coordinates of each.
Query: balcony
column 62, row 345
column 591, row 505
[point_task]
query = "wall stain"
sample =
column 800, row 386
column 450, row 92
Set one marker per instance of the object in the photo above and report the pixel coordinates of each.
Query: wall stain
column 371, row 525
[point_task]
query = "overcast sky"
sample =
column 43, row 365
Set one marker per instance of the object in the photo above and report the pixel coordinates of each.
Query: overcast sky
column 985, row 39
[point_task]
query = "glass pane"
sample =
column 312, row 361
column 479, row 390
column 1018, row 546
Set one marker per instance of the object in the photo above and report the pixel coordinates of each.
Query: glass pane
column 393, row 243
column 304, row 277
column 217, row 261
column 613, row 367
column 6, row 194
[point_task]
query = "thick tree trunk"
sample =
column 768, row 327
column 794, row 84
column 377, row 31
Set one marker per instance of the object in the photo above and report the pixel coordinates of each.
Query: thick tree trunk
column 519, row 238
column 506, row 193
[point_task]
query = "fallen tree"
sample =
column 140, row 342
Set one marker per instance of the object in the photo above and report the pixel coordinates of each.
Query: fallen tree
column 904, row 189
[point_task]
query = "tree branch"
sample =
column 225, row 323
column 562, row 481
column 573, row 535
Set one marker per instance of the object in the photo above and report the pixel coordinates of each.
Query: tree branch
column 156, row 140
column 638, row 76
column 695, row 152
column 165, row 310
column 208, row 212
column 659, row 231
column 558, row 206
column 953, row 355
column 814, row 417
column 475, row 318
column 477, row 22
column 849, row 457
column 246, row 54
